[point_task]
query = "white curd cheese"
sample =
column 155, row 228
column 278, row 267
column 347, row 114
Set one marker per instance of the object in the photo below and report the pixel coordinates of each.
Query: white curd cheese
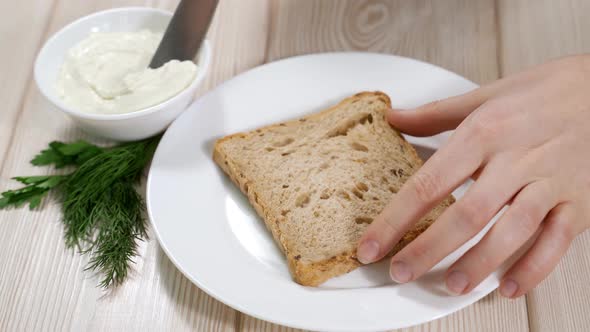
column 107, row 73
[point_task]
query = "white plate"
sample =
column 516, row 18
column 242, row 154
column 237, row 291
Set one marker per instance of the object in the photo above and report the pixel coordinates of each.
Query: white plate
column 210, row 232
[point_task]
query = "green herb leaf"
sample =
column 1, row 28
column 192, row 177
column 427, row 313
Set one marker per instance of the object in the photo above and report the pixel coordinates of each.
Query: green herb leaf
column 4, row 201
column 87, row 154
column 35, row 201
column 49, row 156
column 36, row 187
column 116, row 242
column 61, row 154
column 50, row 182
column 75, row 148
column 103, row 214
column 31, row 179
column 102, row 211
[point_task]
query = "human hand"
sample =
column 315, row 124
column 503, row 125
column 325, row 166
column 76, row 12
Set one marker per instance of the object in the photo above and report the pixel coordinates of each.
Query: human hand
column 525, row 140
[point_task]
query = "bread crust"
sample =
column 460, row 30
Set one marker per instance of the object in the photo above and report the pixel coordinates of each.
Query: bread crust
column 305, row 273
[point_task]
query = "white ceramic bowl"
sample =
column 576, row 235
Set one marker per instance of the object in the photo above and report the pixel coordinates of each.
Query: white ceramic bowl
column 122, row 127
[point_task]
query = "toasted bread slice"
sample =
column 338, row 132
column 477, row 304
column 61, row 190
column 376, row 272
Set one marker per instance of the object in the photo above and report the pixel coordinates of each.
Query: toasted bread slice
column 318, row 181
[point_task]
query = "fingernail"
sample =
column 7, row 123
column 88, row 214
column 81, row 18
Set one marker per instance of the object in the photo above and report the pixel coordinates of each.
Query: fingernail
column 508, row 288
column 457, row 282
column 368, row 252
column 400, row 272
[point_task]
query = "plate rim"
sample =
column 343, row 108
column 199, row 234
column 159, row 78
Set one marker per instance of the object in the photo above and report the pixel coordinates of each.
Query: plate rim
column 236, row 305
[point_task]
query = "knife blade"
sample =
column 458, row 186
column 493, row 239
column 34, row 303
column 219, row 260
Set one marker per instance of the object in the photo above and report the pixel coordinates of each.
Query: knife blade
column 185, row 32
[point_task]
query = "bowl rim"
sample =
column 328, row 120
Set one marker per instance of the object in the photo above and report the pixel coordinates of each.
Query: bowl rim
column 203, row 63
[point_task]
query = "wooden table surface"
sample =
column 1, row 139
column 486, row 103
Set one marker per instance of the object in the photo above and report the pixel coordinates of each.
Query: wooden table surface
column 42, row 284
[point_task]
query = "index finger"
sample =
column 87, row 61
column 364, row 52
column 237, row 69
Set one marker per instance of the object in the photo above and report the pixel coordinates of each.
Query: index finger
column 448, row 168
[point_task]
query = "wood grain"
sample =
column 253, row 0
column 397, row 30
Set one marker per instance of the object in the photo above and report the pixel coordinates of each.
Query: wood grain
column 492, row 313
column 534, row 31
column 432, row 31
column 42, row 284
column 428, row 30
column 176, row 303
column 20, row 46
column 40, row 278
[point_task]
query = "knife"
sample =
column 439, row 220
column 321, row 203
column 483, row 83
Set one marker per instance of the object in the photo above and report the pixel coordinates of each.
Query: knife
column 185, row 32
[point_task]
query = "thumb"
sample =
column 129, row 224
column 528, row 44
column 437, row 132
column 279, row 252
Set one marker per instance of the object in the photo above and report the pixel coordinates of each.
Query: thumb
column 438, row 116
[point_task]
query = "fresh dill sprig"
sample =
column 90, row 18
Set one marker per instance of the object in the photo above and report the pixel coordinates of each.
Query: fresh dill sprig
column 103, row 214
